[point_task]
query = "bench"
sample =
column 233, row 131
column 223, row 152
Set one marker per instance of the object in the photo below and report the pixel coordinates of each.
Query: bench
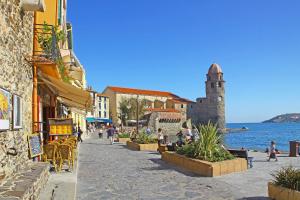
column 242, row 154
column 25, row 184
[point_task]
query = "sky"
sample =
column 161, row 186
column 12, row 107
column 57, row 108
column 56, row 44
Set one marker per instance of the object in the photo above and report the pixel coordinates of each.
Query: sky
column 169, row 45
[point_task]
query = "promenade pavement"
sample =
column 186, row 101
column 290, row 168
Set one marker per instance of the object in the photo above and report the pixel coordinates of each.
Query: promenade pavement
column 115, row 172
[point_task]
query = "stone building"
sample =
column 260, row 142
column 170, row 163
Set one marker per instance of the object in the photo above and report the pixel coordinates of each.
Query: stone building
column 212, row 107
column 22, row 178
column 156, row 101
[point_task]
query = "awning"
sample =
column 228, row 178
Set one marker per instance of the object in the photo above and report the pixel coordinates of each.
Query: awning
column 70, row 95
column 93, row 119
column 90, row 119
column 103, row 120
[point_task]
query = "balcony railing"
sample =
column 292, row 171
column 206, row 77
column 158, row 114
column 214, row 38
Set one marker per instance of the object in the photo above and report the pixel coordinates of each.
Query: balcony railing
column 46, row 49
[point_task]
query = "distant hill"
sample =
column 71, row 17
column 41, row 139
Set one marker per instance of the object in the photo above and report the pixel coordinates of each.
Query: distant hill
column 293, row 117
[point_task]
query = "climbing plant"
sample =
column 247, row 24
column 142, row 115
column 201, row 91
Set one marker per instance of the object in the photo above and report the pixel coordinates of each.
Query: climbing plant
column 48, row 39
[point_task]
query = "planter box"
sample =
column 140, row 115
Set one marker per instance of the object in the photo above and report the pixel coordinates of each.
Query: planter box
column 142, row 147
column 162, row 148
column 123, row 140
column 205, row 168
column 281, row 193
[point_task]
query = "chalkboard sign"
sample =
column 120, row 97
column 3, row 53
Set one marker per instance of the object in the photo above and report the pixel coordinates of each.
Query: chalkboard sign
column 35, row 147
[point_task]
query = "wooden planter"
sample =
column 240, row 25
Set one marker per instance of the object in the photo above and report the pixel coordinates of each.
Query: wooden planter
column 205, row 168
column 123, row 140
column 142, row 147
column 281, row 193
column 162, row 148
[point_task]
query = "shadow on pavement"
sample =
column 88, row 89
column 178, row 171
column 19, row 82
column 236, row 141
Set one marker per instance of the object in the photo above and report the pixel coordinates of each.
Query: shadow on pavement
column 165, row 166
column 255, row 198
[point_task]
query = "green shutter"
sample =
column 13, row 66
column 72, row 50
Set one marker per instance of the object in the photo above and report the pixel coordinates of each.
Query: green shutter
column 59, row 11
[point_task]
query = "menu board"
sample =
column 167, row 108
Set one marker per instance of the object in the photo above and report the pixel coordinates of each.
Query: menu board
column 35, row 147
column 60, row 126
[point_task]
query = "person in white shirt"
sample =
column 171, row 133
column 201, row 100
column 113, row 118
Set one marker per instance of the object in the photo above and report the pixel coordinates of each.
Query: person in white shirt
column 160, row 137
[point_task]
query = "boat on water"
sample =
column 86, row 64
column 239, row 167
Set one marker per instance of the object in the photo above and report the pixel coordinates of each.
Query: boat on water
column 237, row 130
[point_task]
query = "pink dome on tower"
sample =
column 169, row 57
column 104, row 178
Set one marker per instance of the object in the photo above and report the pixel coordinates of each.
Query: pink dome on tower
column 215, row 69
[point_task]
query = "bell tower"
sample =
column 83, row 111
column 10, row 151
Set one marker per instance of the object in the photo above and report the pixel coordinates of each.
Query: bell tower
column 215, row 94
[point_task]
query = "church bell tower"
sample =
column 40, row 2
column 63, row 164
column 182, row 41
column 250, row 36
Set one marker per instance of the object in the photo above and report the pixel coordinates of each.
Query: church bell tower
column 215, row 94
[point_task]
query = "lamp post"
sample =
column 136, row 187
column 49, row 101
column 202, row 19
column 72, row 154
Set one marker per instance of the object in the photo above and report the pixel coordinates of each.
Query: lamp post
column 137, row 114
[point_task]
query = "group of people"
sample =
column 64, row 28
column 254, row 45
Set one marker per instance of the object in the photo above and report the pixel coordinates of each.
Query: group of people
column 187, row 136
column 111, row 131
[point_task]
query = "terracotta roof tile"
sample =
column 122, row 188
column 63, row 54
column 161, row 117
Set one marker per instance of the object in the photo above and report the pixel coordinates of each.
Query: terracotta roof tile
column 142, row 92
column 162, row 110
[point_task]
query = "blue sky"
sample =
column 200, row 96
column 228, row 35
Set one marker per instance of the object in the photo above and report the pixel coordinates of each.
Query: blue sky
column 169, row 45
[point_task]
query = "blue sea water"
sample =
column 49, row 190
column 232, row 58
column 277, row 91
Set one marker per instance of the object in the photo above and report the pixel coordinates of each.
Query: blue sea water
column 259, row 135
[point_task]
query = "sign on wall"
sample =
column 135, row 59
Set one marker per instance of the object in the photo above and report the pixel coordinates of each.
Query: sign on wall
column 5, row 109
column 17, row 112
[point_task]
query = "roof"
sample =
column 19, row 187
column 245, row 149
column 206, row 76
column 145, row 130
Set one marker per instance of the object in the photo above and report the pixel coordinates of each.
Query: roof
column 162, row 110
column 102, row 95
column 214, row 69
column 181, row 100
column 142, row 92
column 174, row 97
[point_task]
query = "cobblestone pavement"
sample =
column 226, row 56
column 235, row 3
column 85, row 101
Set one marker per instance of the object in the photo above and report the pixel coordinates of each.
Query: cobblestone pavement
column 115, row 172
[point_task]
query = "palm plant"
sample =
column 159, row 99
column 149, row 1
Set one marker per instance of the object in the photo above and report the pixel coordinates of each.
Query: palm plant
column 208, row 147
column 209, row 141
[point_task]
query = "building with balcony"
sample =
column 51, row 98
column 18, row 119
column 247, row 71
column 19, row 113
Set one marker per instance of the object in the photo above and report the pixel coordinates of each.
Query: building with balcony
column 58, row 77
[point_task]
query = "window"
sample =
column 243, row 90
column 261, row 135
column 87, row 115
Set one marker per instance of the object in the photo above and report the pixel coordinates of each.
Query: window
column 99, row 106
column 182, row 106
column 104, row 114
column 105, row 106
column 219, row 84
column 201, row 101
column 99, row 99
column 100, row 114
column 212, row 85
column 104, row 99
column 220, row 98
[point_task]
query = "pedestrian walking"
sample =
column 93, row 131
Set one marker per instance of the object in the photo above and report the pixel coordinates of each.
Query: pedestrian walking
column 100, row 132
column 79, row 139
column 110, row 133
column 273, row 152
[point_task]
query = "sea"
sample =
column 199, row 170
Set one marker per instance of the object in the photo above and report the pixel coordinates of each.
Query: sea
column 259, row 135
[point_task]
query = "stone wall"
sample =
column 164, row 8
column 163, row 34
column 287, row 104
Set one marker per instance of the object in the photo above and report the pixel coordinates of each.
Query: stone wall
column 16, row 29
column 169, row 127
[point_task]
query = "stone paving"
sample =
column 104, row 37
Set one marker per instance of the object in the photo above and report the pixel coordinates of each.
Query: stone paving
column 115, row 172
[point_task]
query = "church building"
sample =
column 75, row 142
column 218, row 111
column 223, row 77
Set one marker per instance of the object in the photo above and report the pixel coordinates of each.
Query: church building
column 212, row 107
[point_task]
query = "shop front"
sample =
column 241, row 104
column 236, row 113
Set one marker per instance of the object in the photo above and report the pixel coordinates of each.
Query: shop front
column 64, row 102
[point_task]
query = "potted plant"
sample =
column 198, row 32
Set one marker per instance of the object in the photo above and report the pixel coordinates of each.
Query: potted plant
column 207, row 156
column 286, row 184
column 123, row 137
column 143, row 142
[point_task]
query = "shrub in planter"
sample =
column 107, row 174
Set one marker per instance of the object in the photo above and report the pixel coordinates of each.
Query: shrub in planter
column 208, row 147
column 144, row 138
column 288, row 178
column 124, row 135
